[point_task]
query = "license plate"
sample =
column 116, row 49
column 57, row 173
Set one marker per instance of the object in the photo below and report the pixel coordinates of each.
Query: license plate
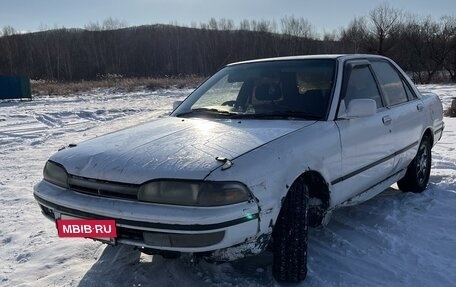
column 99, row 229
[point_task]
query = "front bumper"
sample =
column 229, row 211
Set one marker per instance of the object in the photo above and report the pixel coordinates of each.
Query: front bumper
column 157, row 226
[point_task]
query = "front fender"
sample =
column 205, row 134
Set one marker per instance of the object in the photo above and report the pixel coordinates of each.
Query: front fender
column 270, row 170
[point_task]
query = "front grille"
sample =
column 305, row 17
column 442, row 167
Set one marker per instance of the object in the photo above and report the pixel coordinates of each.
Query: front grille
column 103, row 188
column 165, row 239
column 129, row 233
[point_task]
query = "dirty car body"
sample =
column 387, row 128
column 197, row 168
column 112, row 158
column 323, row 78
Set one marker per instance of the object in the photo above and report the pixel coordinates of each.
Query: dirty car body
column 211, row 178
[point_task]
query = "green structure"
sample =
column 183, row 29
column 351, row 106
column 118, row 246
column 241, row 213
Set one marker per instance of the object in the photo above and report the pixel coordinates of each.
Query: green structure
column 15, row 87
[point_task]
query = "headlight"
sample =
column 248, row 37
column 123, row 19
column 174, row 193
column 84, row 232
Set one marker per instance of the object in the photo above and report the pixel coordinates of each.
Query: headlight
column 193, row 193
column 55, row 174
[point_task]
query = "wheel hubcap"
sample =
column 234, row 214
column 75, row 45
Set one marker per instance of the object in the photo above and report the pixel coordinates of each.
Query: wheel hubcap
column 422, row 164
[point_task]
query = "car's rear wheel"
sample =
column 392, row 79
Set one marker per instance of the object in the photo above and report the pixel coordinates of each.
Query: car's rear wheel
column 290, row 236
column 417, row 177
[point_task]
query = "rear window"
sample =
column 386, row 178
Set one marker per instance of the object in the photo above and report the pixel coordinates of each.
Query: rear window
column 390, row 83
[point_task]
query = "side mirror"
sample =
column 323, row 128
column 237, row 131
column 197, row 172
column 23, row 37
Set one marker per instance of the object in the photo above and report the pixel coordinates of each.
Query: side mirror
column 358, row 108
column 176, row 104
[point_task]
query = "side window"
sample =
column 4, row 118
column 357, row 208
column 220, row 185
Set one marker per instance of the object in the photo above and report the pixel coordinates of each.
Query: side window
column 362, row 85
column 410, row 94
column 390, row 83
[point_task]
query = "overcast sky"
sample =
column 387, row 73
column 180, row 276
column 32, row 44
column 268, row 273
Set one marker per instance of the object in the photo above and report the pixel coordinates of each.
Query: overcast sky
column 325, row 15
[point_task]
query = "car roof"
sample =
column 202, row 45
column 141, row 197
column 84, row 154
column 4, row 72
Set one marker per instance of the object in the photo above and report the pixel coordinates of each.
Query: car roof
column 311, row 57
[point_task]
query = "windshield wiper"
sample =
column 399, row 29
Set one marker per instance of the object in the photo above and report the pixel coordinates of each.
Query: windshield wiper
column 207, row 111
column 281, row 115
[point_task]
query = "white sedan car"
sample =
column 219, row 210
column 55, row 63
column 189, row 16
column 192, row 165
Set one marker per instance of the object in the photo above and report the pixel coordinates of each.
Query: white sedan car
column 254, row 156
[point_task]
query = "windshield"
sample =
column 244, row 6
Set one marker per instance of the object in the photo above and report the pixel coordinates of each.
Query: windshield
column 287, row 88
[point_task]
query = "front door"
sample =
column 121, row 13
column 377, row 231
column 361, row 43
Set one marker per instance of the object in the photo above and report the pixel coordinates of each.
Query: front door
column 367, row 151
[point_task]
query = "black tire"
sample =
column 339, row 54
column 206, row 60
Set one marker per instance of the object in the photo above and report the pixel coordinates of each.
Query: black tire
column 417, row 177
column 289, row 237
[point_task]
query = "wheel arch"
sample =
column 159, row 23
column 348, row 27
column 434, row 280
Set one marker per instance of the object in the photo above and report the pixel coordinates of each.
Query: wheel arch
column 428, row 133
column 319, row 196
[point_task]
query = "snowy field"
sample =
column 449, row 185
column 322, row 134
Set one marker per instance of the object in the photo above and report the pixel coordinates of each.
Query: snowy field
column 394, row 239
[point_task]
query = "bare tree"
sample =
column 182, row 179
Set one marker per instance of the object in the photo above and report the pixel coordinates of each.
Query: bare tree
column 93, row 26
column 355, row 35
column 113, row 24
column 383, row 22
column 296, row 27
column 244, row 25
column 449, row 30
column 213, row 24
column 8, row 31
column 226, row 24
column 159, row 50
column 429, row 46
column 266, row 26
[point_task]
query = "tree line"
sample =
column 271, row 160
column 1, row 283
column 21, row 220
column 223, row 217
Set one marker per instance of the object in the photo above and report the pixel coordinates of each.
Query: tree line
column 424, row 47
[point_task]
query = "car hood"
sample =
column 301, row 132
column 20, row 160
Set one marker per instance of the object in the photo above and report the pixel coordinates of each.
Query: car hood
column 170, row 148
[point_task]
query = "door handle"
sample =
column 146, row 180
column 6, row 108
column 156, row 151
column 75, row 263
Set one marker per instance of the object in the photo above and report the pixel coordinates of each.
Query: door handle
column 419, row 107
column 387, row 120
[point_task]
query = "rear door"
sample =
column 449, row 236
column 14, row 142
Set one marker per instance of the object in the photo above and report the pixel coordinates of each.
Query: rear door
column 366, row 142
column 406, row 112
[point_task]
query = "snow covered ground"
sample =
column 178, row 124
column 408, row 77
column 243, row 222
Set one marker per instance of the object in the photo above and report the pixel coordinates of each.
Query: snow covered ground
column 394, row 239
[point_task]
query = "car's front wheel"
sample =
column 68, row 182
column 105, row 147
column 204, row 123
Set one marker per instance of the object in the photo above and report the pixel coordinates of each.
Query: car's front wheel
column 417, row 177
column 290, row 236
